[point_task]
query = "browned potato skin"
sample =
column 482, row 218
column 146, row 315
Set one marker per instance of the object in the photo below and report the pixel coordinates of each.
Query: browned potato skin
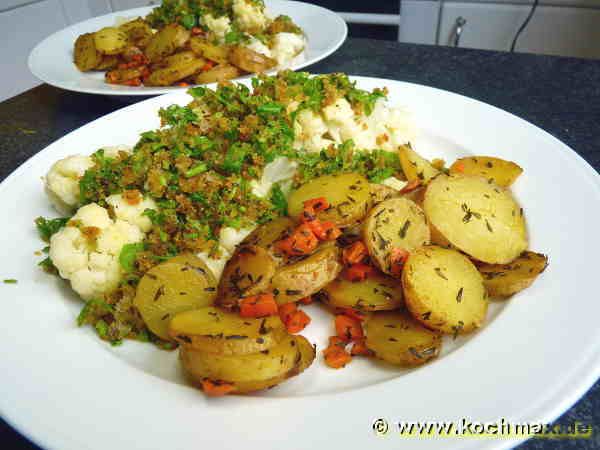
column 415, row 167
column 166, row 42
column 110, row 40
column 381, row 192
column 108, row 62
column 175, row 72
column 248, row 272
column 502, row 172
column 216, row 53
column 394, row 223
column 250, row 61
column 137, row 30
column 222, row 72
column 306, row 277
column 399, row 339
column 504, row 280
column 121, row 75
column 444, row 290
column 85, row 55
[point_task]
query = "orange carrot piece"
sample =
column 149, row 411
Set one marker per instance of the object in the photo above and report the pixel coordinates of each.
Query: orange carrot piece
column 348, row 328
column 216, row 388
column 286, row 310
column 209, row 65
column 359, row 348
column 336, row 340
column 297, row 321
column 336, row 357
column 197, row 30
column 414, row 184
column 459, row 166
column 324, row 231
column 316, row 204
column 397, row 259
column 261, row 305
column 355, row 254
column 358, row 272
column 351, row 312
column 183, row 84
column 306, row 300
column 301, row 242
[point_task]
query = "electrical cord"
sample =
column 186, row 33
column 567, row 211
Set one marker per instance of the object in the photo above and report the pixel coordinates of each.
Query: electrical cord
column 524, row 25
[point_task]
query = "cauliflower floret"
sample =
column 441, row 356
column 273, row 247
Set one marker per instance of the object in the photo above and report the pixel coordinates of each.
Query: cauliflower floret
column 216, row 265
column 219, row 26
column 112, row 151
column 309, row 130
column 229, row 237
column 257, row 46
column 62, row 182
column 280, row 169
column 132, row 213
column 249, row 17
column 286, row 46
column 92, row 264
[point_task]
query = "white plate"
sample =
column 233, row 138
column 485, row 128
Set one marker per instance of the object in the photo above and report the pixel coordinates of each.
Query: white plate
column 536, row 355
column 52, row 60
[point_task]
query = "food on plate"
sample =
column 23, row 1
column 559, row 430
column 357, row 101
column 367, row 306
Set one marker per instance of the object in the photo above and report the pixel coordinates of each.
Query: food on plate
column 216, row 232
column 499, row 171
column 191, row 42
column 477, row 217
column 444, row 290
column 397, row 338
column 504, row 280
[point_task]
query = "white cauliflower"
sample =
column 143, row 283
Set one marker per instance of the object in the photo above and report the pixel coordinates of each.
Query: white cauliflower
column 219, row 26
column 309, row 129
column 279, row 170
column 112, row 151
column 216, row 265
column 62, row 182
column 257, row 46
column 286, row 46
column 132, row 214
column 229, row 237
column 86, row 251
column 249, row 17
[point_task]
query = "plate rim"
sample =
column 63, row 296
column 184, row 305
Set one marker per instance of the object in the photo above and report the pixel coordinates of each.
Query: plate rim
column 579, row 378
column 153, row 91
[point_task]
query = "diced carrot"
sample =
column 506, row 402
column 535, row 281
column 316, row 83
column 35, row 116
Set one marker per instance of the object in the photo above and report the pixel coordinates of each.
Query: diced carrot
column 336, row 357
column 297, row 321
column 197, row 30
column 355, row 254
column 209, row 65
column 351, row 312
column 306, row 300
column 397, row 259
column 336, row 340
column 414, row 184
column 316, row 204
column 324, row 231
column 183, row 84
column 300, row 242
column 348, row 328
column 359, row 348
column 358, row 272
column 286, row 310
column 459, row 166
column 261, row 305
column 133, row 82
column 216, row 388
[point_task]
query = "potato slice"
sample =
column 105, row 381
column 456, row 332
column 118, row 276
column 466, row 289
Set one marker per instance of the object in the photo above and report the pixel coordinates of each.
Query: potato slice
column 394, row 223
column 222, row 72
column 267, row 234
column 248, row 272
column 217, row 53
column 213, row 330
column 477, row 217
column 501, row 172
column 107, row 62
column 415, row 167
column 166, row 42
column 443, row 290
column 171, row 288
column 85, row 55
column 303, row 278
column 137, row 30
column 349, row 197
column 250, row 61
column 381, row 192
column 180, row 58
column 173, row 73
column 377, row 293
column 266, row 365
column 308, row 353
column 110, row 40
column 397, row 338
column 504, row 280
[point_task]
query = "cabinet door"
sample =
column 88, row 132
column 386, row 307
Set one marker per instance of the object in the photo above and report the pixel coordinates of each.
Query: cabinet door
column 556, row 30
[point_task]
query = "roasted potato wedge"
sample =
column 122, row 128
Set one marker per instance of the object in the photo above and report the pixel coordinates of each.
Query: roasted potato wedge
column 180, row 58
column 398, row 338
column 308, row 353
column 504, row 280
column 250, row 61
column 415, row 167
column 303, row 278
column 171, row 288
column 222, row 72
column 166, row 42
column 381, row 192
column 394, row 223
column 266, row 235
column 216, row 53
column 501, row 172
column 443, row 290
column 213, row 330
column 110, row 40
column 377, row 293
column 137, row 30
column 266, row 365
column 349, row 197
column 248, row 272
column 85, row 55
column 107, row 62
column 120, row 75
column 477, row 217
column 172, row 73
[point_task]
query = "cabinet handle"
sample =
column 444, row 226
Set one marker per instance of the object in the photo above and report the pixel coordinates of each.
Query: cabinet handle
column 459, row 26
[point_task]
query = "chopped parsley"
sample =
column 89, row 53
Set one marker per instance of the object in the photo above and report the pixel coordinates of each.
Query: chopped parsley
column 47, row 227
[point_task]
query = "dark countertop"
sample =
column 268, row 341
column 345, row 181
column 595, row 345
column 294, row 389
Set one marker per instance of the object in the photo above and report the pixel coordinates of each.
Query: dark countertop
column 560, row 95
